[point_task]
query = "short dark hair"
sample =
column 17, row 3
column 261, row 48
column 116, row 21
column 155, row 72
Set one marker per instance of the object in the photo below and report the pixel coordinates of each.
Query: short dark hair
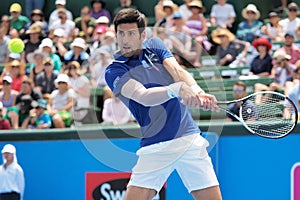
column 241, row 84
column 130, row 15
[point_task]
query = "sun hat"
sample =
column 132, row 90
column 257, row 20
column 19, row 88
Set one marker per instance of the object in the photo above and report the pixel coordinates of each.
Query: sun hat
column 78, row 42
column 177, row 15
column 262, row 41
column 34, row 28
column 42, row 103
column 102, row 20
column 62, row 78
column 250, row 7
column 281, row 55
column 16, row 56
column 195, row 3
column 15, row 7
column 59, row 32
column 9, row 148
column 60, row 2
column 7, row 79
column 75, row 64
column 221, row 31
column 47, row 42
column 31, row 56
column 22, row 65
column 169, row 3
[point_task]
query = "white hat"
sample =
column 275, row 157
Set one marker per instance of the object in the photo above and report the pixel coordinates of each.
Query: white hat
column 62, row 78
column 250, row 7
column 47, row 42
column 61, row 2
column 59, row 32
column 31, row 56
column 8, row 148
column 78, row 42
column 102, row 20
column 7, row 78
column 15, row 56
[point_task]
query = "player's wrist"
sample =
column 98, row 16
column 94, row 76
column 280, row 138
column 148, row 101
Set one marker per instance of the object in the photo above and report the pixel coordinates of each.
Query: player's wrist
column 174, row 89
column 197, row 89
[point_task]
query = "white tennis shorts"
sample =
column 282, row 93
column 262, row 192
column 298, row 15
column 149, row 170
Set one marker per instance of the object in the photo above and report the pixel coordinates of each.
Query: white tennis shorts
column 187, row 155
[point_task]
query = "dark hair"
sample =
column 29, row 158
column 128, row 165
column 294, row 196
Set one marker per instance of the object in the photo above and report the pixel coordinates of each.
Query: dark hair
column 241, row 84
column 130, row 15
column 103, row 3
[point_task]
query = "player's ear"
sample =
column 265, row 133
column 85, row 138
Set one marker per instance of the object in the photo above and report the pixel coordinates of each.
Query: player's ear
column 143, row 35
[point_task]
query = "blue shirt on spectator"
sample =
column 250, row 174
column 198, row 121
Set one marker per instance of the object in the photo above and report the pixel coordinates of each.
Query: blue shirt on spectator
column 246, row 32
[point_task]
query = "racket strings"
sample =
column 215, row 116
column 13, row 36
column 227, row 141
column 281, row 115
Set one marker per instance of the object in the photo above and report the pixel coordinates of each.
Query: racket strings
column 268, row 115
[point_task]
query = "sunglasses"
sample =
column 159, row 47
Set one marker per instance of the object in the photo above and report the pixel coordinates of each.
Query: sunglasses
column 293, row 9
column 48, row 64
column 6, row 83
column 221, row 36
column 237, row 91
column 15, row 66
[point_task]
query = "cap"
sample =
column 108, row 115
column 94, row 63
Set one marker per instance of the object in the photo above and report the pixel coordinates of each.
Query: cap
column 78, row 42
column 177, row 15
column 101, row 29
column 15, row 7
column 7, row 79
column 102, row 20
column 62, row 78
column 61, row 10
column 59, row 32
column 289, row 33
column 42, row 103
column 8, row 148
column 273, row 14
column 15, row 56
column 60, row 2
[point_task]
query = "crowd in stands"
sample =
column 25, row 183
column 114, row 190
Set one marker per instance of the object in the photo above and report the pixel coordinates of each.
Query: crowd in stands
column 48, row 85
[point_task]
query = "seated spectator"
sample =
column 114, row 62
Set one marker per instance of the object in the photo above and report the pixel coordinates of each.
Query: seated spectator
column 37, row 17
column 247, row 28
column 114, row 110
column 62, row 23
column 159, row 11
column 292, row 22
column 61, row 102
column 98, row 36
column 19, row 115
column 78, row 53
column 36, row 59
column 17, row 20
column 47, row 47
column 99, row 60
column 85, row 22
column 61, row 44
column 262, row 65
column 54, row 16
column 123, row 4
column 7, row 95
column 4, row 123
column 273, row 29
column 5, row 23
column 222, row 15
column 45, row 79
column 102, row 21
column 289, row 85
column 16, row 70
column 4, row 40
column 98, row 9
column 36, row 35
column 290, row 48
column 281, row 72
column 39, row 118
column 184, row 9
column 228, row 48
column 169, row 9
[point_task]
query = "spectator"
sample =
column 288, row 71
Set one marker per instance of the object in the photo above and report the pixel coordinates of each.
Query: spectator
column 273, row 29
column 19, row 115
column 239, row 91
column 4, row 40
column 102, row 21
column 17, row 20
column 61, row 44
column 62, row 23
column 16, row 70
column 36, row 59
column 123, row 4
column 169, row 9
column 78, row 53
column 98, row 36
column 13, row 33
column 12, row 181
column 289, row 85
column 47, row 47
column 228, row 48
column 292, row 22
column 5, row 23
column 45, row 79
column 85, row 23
column 7, row 95
column 61, row 102
column 222, row 15
column 98, row 9
column 36, row 35
column 262, row 65
column 33, row 5
column 290, row 48
column 37, row 17
column 54, row 16
column 159, row 11
column 4, row 125
column 114, row 110
column 184, row 9
column 39, row 118
column 247, row 28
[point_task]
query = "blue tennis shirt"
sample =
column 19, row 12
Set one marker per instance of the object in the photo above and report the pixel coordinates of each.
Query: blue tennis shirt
column 158, row 123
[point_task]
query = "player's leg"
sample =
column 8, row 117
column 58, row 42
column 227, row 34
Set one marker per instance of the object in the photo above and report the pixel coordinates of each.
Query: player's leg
column 211, row 193
column 134, row 192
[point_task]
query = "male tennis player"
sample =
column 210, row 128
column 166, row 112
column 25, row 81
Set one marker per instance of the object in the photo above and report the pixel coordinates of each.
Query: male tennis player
column 147, row 78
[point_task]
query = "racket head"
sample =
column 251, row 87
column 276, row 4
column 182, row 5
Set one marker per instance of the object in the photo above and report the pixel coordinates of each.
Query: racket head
column 268, row 114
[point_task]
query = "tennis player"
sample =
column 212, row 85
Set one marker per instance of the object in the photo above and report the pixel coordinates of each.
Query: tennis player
column 158, row 92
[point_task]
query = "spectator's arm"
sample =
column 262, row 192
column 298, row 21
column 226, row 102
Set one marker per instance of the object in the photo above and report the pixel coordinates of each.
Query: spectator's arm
column 70, row 104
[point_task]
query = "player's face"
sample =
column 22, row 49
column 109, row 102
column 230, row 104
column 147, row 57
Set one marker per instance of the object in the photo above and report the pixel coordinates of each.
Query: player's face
column 129, row 39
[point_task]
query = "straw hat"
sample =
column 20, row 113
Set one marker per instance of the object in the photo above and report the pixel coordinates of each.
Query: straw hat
column 281, row 55
column 195, row 3
column 75, row 64
column 171, row 4
column 262, row 41
column 34, row 28
column 250, row 7
column 221, row 31
column 31, row 56
column 16, row 63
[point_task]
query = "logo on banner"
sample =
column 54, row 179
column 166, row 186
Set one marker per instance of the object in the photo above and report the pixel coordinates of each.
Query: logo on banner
column 295, row 179
column 110, row 186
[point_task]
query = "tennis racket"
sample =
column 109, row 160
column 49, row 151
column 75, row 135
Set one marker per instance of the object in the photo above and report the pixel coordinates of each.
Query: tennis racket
column 266, row 114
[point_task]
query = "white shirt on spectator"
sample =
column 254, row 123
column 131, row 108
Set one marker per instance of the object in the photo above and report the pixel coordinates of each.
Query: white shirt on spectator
column 78, row 84
column 61, row 100
column 222, row 13
column 54, row 16
column 67, row 27
column 185, row 11
column 290, row 26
